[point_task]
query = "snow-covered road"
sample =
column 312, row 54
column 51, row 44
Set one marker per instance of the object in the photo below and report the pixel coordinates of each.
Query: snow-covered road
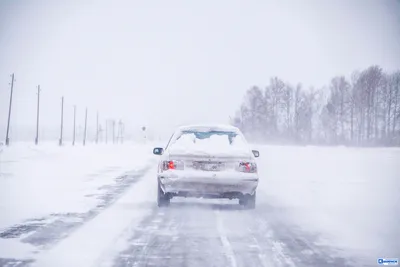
column 135, row 232
column 315, row 207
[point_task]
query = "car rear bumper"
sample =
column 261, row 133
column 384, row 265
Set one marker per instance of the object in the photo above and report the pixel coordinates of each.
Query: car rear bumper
column 209, row 184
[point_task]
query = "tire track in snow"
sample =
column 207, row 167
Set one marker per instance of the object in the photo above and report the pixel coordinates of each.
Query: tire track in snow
column 34, row 230
column 261, row 254
column 184, row 234
column 244, row 236
column 274, row 240
column 147, row 242
column 46, row 232
column 301, row 246
column 290, row 244
column 225, row 242
column 87, row 244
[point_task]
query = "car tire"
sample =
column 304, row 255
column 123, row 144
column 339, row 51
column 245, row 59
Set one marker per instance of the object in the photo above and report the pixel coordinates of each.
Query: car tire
column 249, row 201
column 163, row 199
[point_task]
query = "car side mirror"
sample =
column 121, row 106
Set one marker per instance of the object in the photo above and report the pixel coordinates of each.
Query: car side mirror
column 158, row 151
column 256, row 153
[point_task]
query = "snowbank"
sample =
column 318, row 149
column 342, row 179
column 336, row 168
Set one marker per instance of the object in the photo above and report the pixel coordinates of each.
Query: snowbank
column 36, row 181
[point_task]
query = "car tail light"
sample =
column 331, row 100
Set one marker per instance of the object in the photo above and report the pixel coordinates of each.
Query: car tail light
column 172, row 165
column 249, row 167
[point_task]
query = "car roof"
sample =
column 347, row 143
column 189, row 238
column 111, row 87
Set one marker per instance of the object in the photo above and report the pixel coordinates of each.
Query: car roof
column 209, row 127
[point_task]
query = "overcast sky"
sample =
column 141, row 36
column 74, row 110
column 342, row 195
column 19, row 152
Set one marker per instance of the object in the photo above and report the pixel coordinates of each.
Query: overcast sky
column 165, row 63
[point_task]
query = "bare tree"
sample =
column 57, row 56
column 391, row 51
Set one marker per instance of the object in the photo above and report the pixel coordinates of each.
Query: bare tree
column 297, row 100
column 277, row 88
column 252, row 112
column 287, row 103
column 338, row 106
column 354, row 99
column 364, row 110
column 373, row 76
column 396, row 113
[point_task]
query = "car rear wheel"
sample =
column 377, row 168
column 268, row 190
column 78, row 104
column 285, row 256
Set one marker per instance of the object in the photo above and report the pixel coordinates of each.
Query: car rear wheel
column 163, row 199
column 248, row 201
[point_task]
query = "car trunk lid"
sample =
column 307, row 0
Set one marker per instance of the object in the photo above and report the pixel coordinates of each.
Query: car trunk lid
column 207, row 162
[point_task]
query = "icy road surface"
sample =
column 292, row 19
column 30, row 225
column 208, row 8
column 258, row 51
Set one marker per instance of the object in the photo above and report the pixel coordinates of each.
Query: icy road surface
column 315, row 207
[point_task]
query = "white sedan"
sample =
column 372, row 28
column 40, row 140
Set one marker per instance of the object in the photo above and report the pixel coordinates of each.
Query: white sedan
column 209, row 161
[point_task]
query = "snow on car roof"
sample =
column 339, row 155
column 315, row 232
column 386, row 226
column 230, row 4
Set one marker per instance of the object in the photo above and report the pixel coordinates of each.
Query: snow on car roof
column 209, row 127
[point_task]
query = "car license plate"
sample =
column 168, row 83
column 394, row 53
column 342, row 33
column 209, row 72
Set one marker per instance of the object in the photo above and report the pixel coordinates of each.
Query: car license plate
column 208, row 166
column 212, row 167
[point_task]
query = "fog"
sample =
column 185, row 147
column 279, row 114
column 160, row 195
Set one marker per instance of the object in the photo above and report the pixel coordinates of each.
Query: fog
column 162, row 64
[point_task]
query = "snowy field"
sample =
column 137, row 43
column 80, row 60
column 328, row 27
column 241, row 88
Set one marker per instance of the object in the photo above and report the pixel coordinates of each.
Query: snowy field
column 96, row 206
column 47, row 188
column 350, row 196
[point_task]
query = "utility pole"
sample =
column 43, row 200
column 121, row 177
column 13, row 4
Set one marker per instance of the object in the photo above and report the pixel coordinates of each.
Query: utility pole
column 113, row 131
column 106, row 131
column 74, row 132
column 9, row 110
column 62, row 121
column 122, row 132
column 84, row 133
column 97, row 128
column 37, row 116
column 118, row 131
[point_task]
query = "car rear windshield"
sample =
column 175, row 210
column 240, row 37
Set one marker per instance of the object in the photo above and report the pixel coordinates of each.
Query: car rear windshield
column 219, row 136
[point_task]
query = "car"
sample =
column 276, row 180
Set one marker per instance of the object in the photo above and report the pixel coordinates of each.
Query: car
column 207, row 161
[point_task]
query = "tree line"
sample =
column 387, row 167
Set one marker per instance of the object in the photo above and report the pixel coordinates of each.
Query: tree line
column 363, row 110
